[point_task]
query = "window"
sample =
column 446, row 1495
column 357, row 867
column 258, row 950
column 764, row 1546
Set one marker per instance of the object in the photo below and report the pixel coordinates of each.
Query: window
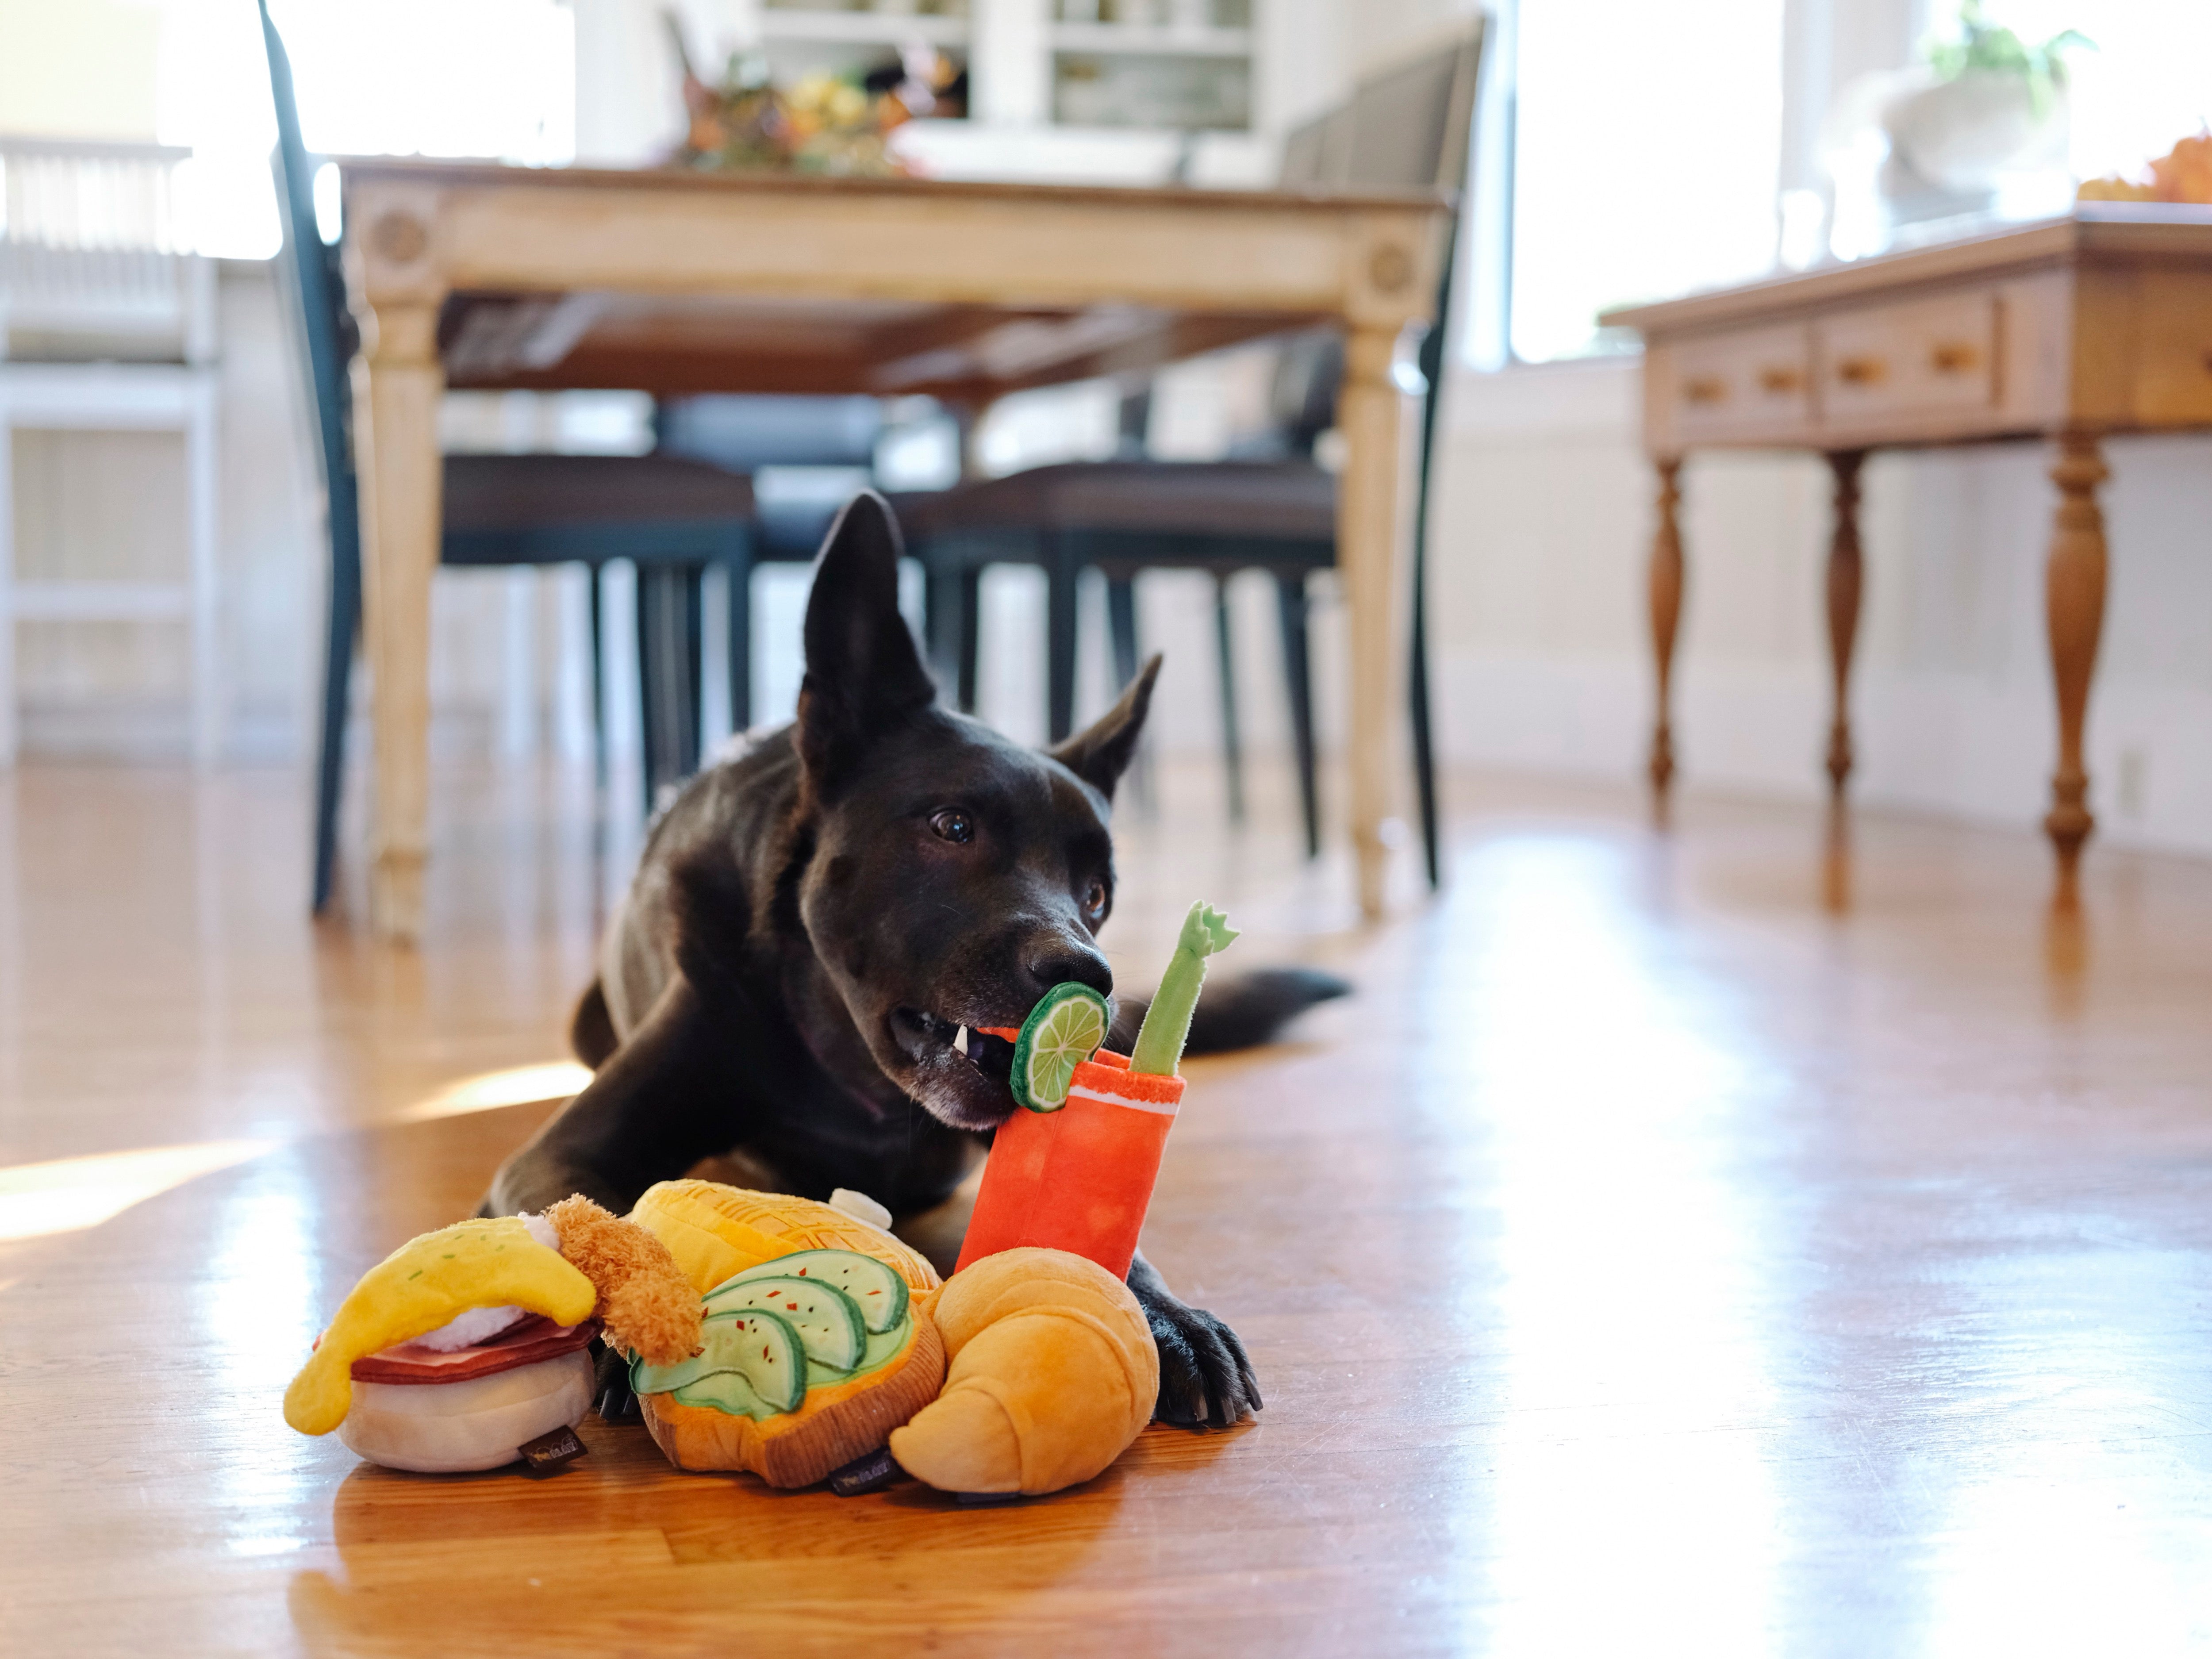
column 2148, row 81
column 493, row 78
column 1645, row 158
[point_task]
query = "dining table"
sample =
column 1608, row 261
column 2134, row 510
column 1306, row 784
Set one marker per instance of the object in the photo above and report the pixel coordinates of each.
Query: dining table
column 675, row 282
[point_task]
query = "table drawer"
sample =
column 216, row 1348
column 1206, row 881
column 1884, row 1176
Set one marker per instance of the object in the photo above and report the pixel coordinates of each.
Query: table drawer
column 1755, row 383
column 1926, row 358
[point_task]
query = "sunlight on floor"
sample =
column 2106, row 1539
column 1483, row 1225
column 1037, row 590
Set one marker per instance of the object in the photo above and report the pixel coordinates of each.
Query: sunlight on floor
column 517, row 1085
column 71, row 1193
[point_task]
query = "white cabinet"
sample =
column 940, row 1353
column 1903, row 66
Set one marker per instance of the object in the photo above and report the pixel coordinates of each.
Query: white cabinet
column 1095, row 91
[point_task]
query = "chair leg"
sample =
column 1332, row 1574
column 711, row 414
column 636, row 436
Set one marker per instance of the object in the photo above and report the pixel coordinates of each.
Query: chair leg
column 1059, row 645
column 1425, row 758
column 940, row 622
column 1232, row 749
column 592, row 575
column 668, row 654
column 342, row 629
column 202, row 472
column 738, row 570
column 1121, row 625
column 971, row 634
column 1298, row 673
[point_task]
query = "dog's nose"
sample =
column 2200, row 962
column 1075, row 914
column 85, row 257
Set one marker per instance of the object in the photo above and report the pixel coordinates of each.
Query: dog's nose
column 1056, row 961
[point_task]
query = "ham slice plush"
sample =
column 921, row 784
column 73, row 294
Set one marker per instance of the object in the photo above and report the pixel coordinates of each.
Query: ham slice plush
column 526, row 1343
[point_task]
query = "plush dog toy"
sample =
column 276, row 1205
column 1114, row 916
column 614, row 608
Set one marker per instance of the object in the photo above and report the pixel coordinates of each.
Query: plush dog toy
column 467, row 1345
column 1055, row 1372
column 817, row 1340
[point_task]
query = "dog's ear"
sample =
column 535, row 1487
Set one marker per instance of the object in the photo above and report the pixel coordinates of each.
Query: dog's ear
column 1102, row 753
column 863, row 673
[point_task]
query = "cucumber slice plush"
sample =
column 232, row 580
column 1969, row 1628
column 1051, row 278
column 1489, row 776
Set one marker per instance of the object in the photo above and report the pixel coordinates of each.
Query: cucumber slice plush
column 828, row 1321
column 758, row 1346
column 876, row 1289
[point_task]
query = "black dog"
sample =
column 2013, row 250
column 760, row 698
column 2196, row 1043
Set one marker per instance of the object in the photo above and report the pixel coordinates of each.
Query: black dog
column 815, row 922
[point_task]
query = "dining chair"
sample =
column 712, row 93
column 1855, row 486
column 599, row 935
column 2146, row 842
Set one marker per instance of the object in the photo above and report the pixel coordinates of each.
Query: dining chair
column 107, row 324
column 670, row 516
column 781, row 441
column 1271, row 508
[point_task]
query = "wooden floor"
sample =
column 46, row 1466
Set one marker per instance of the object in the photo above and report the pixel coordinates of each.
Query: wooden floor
column 1713, row 1244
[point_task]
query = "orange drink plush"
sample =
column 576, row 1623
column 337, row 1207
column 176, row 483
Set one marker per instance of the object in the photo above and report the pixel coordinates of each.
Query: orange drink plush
column 1074, row 1169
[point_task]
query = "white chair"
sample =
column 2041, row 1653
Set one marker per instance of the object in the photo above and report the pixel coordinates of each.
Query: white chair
column 108, row 324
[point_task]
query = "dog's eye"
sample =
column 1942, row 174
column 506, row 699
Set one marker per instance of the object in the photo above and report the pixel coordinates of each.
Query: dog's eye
column 950, row 826
column 1094, row 901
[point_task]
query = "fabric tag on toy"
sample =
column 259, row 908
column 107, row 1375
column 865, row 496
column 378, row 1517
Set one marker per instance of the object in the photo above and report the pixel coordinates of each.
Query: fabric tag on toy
column 551, row 1452
column 871, row 1473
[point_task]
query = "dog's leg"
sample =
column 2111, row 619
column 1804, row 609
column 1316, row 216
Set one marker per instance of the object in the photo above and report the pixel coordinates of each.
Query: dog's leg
column 666, row 1098
column 592, row 1031
column 1205, row 1381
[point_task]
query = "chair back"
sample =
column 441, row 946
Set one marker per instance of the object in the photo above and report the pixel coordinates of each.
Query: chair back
column 744, row 433
column 1408, row 126
column 94, row 261
column 310, row 273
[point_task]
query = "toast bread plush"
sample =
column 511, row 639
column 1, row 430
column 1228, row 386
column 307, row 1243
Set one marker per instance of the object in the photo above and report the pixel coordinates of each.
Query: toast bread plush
column 817, row 1341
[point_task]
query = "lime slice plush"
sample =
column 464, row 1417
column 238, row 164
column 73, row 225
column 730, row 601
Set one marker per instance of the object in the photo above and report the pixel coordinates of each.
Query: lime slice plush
column 1062, row 1031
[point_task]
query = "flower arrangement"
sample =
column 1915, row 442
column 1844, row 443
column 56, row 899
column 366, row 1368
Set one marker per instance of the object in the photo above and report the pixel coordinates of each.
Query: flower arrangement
column 832, row 125
column 2184, row 173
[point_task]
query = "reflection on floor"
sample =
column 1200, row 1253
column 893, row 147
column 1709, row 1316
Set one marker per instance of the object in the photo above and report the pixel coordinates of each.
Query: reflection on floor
column 1735, row 1241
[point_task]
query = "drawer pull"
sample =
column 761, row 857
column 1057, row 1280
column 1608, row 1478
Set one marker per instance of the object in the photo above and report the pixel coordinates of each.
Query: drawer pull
column 1953, row 358
column 1704, row 389
column 1777, row 381
column 1861, row 371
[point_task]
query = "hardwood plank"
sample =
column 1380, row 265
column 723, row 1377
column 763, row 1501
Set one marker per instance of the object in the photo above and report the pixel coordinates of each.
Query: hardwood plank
column 1647, row 1247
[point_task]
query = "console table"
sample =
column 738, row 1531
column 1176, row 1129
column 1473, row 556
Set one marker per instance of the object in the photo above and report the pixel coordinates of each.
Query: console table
column 2071, row 329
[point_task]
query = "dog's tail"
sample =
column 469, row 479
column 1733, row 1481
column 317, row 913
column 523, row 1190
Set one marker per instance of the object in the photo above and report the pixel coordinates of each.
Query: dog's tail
column 592, row 1031
column 1239, row 1011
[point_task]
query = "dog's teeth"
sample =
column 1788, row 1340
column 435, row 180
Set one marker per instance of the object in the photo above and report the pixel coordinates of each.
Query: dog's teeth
column 960, row 1039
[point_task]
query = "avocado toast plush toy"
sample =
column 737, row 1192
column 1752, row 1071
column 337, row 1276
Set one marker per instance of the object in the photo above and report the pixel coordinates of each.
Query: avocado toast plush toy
column 816, row 1339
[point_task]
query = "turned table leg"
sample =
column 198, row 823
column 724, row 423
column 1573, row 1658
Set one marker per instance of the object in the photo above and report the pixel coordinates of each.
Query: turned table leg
column 1845, row 577
column 1367, row 554
column 398, row 388
column 2074, row 597
column 1666, row 581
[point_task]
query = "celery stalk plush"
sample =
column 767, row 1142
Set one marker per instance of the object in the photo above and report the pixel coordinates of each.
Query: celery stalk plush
column 1206, row 932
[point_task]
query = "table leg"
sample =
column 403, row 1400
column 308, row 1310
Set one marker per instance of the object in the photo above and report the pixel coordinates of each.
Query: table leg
column 397, row 384
column 1666, row 584
column 1845, row 576
column 1367, row 554
column 2074, row 599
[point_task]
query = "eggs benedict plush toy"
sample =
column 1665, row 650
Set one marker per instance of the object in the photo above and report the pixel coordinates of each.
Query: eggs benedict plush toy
column 465, row 1345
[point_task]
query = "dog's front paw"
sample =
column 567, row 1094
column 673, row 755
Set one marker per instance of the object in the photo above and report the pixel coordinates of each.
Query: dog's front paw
column 611, row 1391
column 1205, row 1381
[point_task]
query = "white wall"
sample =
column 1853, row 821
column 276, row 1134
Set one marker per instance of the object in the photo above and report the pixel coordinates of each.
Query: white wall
column 1541, row 532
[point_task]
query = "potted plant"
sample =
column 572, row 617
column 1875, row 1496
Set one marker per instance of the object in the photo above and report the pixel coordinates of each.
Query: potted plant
column 1989, row 104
